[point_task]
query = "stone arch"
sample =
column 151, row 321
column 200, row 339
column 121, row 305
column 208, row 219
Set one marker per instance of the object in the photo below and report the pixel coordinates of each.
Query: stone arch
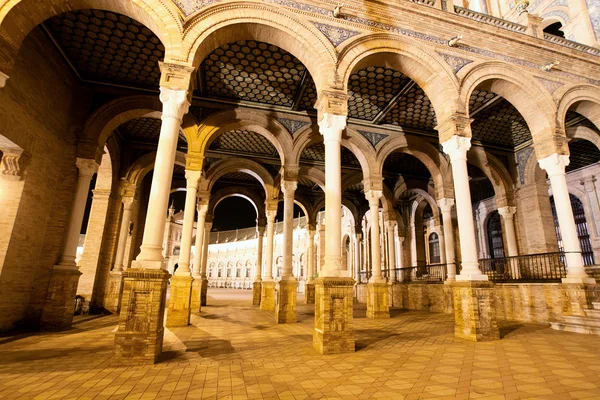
column 245, row 20
column 495, row 172
column 583, row 99
column 250, row 120
column 519, row 88
column 249, row 167
column 145, row 164
column 552, row 15
column 423, row 66
column 345, row 202
column 583, row 133
column 19, row 17
column 237, row 191
column 305, row 205
column 314, row 174
column 532, row 173
column 351, row 179
column 425, row 197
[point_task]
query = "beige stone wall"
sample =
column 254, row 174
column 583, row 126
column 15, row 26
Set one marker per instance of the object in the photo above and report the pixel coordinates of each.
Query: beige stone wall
column 38, row 112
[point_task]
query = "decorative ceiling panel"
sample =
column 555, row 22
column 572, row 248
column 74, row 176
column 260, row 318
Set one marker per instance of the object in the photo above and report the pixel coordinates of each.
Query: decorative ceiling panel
column 405, row 165
column 309, row 96
column 371, row 89
column 306, row 182
column 253, row 71
column 243, row 141
column 356, row 188
column 179, row 170
column 500, row 124
column 413, row 110
column 145, row 130
column 316, row 152
column 200, row 112
column 238, row 177
column 583, row 153
column 108, row 47
column 481, row 187
column 479, row 98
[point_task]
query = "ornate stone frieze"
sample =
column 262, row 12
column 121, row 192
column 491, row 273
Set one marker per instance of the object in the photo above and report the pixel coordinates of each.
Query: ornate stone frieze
column 522, row 157
column 293, row 125
column 457, row 63
column 372, row 137
column 335, row 34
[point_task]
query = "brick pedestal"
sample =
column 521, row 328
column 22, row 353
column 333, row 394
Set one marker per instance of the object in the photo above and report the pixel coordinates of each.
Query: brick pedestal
column 377, row 300
column 285, row 308
column 58, row 310
column 574, row 298
column 474, row 311
column 203, row 291
column 267, row 296
column 310, row 293
column 114, row 292
column 256, row 288
column 140, row 333
column 179, row 310
column 196, row 300
column 333, row 333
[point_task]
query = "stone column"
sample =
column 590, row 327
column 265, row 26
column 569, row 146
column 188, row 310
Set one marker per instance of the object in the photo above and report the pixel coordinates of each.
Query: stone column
column 256, row 285
column 140, row 332
column 391, row 227
column 285, row 309
column 481, row 244
column 57, row 313
column 203, row 266
column 457, row 148
column 507, row 214
column 333, row 332
column 446, row 207
column 554, row 165
column 267, row 294
column 440, row 231
column 112, row 302
column 401, row 258
column 589, row 185
column 357, row 251
column 311, row 258
column 196, row 301
column 377, row 299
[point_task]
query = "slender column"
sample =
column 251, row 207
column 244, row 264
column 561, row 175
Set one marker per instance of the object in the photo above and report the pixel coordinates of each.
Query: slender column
column 189, row 214
column 125, row 221
column 480, row 238
column 446, row 207
column 401, row 257
column 260, row 232
column 175, row 105
column 202, row 210
column 331, row 127
column 205, row 243
column 268, row 274
column 589, row 186
column 413, row 245
column 507, row 214
column 442, row 237
column 391, row 225
column 357, row 248
column 457, row 148
column 311, row 252
column 288, row 188
column 554, row 165
column 373, row 197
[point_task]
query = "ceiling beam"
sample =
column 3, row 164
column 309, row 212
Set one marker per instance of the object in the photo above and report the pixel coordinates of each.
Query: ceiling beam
column 485, row 105
column 379, row 117
column 301, row 90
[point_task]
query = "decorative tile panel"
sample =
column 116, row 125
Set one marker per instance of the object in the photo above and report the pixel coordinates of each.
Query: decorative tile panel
column 189, row 7
column 457, row 63
column 293, row 125
column 522, row 157
column 335, row 34
column 372, row 137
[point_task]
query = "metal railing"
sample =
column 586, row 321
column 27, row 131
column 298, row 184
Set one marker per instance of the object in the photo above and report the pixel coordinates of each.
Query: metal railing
column 424, row 273
column 545, row 267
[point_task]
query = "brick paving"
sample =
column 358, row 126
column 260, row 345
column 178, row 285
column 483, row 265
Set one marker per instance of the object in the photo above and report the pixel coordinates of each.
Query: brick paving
column 234, row 351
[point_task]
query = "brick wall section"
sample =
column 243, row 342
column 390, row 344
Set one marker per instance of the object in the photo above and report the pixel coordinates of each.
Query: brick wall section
column 38, row 112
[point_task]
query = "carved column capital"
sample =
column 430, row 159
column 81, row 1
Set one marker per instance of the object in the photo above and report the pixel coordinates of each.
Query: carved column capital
column 373, row 197
column 127, row 202
column 446, row 204
column 192, row 178
column 175, row 103
column 456, row 147
column 87, row 166
column 289, row 188
column 271, row 214
column 554, row 164
column 331, row 127
column 14, row 162
column 3, row 79
column 589, row 183
column 507, row 212
column 202, row 210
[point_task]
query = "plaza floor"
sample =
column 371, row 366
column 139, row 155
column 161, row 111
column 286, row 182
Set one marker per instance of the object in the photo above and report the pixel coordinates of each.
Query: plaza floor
column 234, row 351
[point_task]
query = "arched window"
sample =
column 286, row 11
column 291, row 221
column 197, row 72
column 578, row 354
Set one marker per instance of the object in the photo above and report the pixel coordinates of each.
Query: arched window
column 555, row 29
column 238, row 270
column 211, row 269
column 582, row 230
column 220, row 270
column 494, row 234
column 279, row 264
column 248, row 268
column 434, row 248
column 229, row 269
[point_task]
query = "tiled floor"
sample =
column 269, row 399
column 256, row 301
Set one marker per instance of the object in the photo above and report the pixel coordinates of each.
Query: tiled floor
column 234, row 351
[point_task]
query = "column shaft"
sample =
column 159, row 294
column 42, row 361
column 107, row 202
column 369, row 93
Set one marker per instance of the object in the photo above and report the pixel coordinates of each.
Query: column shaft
column 391, row 251
column 311, row 254
column 268, row 273
column 202, row 210
column 373, row 197
column 260, row 231
column 446, row 206
column 288, row 188
column 187, row 230
column 123, row 232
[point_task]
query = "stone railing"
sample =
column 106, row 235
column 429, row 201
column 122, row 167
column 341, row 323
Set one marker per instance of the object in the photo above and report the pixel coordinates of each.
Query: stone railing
column 430, row 3
column 491, row 20
column 573, row 45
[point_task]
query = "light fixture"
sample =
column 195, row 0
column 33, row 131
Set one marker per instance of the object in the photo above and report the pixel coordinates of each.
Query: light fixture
column 337, row 11
column 550, row 65
column 452, row 42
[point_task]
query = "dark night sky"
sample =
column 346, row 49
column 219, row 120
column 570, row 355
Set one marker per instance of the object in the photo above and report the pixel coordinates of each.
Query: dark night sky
column 234, row 213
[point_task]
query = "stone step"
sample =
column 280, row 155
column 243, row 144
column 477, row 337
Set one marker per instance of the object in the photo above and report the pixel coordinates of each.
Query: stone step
column 596, row 305
column 576, row 328
column 573, row 319
column 593, row 313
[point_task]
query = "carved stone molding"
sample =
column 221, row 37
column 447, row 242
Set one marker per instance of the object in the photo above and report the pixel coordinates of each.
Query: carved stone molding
column 14, row 163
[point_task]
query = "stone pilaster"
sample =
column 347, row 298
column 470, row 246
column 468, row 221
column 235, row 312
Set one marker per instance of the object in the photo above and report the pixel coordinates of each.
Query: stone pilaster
column 256, row 291
column 140, row 332
column 57, row 313
column 179, row 301
column 114, row 292
column 474, row 311
column 309, row 289
column 285, row 309
column 333, row 333
column 203, row 291
column 267, row 296
column 196, row 301
column 377, row 300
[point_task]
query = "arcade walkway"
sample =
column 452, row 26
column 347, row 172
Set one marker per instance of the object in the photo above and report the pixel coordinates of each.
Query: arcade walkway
column 233, row 351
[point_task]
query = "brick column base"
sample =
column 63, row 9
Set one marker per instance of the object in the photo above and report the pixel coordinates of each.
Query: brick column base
column 196, row 301
column 310, row 293
column 114, row 292
column 285, row 309
column 474, row 311
column 267, row 296
column 59, row 307
column 179, row 310
column 575, row 297
column 140, row 333
column 256, row 289
column 203, row 292
column 377, row 300
column 333, row 333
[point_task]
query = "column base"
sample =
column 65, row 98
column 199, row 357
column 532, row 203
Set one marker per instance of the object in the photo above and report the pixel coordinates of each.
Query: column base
column 256, row 291
column 285, row 309
column 310, row 293
column 474, row 311
column 581, row 281
column 267, row 296
column 140, row 332
column 195, row 301
column 333, row 333
column 179, row 310
column 377, row 300
column 58, row 310
column 114, row 292
column 203, row 292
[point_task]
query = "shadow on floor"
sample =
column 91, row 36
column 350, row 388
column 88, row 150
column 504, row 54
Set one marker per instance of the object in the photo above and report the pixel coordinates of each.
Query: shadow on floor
column 366, row 338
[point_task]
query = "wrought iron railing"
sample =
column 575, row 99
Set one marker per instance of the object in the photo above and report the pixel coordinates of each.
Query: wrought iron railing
column 545, row 267
column 425, row 273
